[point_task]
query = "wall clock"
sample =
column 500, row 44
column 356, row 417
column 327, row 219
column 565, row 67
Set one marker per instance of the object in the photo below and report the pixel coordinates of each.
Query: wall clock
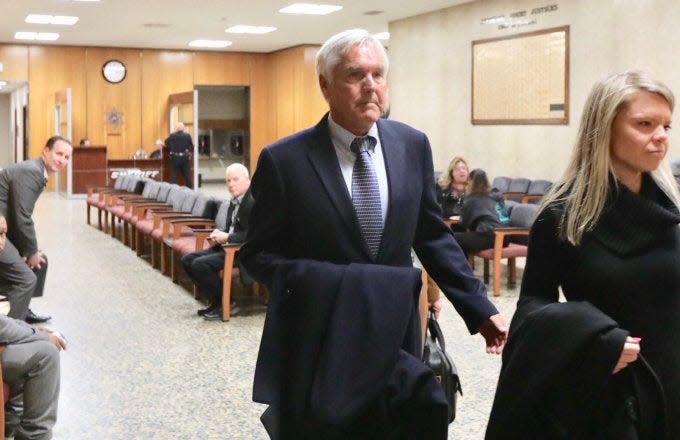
column 114, row 71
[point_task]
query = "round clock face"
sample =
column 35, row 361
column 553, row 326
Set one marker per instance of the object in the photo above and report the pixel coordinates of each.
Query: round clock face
column 114, row 71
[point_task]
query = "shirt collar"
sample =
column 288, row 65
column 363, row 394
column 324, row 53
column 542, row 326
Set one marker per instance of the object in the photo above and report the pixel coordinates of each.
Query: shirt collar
column 342, row 137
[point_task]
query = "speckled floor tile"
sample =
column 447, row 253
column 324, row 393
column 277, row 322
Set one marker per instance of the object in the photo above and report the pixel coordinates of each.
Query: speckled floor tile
column 141, row 364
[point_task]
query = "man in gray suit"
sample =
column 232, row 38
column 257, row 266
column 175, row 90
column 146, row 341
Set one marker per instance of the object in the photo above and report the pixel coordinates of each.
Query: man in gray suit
column 30, row 365
column 23, row 266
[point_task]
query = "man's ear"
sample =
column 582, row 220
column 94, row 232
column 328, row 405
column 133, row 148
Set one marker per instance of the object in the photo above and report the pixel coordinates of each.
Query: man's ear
column 323, row 85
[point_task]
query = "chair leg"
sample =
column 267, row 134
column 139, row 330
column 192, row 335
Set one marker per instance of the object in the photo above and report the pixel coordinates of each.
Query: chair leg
column 497, row 275
column 512, row 271
column 113, row 226
column 164, row 260
column 173, row 266
column 139, row 242
column 486, row 271
column 226, row 284
column 88, row 212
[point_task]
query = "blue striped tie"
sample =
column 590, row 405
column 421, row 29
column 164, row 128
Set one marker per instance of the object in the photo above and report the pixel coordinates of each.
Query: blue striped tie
column 366, row 193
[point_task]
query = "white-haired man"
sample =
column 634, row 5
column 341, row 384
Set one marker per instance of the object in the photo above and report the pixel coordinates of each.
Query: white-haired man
column 203, row 267
column 338, row 208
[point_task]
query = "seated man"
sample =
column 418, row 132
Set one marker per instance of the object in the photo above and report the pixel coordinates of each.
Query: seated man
column 158, row 150
column 30, row 365
column 204, row 266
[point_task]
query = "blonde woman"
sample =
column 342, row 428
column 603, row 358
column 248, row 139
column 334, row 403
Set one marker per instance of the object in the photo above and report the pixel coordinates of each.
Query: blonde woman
column 605, row 364
column 451, row 187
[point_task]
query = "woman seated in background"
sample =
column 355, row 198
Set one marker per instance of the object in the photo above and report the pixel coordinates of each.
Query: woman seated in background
column 606, row 363
column 451, row 187
column 478, row 216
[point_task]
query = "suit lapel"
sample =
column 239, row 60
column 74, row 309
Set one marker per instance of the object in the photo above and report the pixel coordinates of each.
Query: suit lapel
column 396, row 163
column 325, row 161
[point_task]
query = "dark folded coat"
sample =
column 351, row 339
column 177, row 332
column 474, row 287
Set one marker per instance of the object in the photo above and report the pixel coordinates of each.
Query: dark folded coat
column 556, row 381
column 340, row 355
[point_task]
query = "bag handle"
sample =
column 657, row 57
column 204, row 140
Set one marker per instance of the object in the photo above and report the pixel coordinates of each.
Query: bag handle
column 435, row 330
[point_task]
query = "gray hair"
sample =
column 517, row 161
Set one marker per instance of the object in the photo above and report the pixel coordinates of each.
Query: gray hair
column 339, row 45
column 585, row 184
column 238, row 167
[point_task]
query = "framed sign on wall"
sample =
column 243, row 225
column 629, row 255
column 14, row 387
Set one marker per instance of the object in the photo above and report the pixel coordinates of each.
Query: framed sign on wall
column 521, row 79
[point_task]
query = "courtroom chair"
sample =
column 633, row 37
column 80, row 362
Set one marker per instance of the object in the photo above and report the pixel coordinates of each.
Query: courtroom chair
column 144, row 212
column 517, row 189
column 183, row 244
column 117, row 204
column 133, row 185
column 95, row 198
column 150, row 194
column 138, row 209
column 537, row 189
column 501, row 184
column 229, row 273
column 179, row 225
column 521, row 218
column 179, row 208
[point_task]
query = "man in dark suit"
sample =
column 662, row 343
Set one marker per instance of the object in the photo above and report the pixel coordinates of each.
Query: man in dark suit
column 310, row 206
column 180, row 147
column 23, row 266
column 203, row 266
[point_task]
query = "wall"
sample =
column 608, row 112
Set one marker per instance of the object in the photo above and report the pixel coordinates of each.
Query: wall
column 18, row 100
column 430, row 75
column 152, row 75
column 6, row 144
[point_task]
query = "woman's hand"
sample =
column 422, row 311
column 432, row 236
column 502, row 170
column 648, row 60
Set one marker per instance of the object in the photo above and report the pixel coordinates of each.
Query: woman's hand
column 629, row 354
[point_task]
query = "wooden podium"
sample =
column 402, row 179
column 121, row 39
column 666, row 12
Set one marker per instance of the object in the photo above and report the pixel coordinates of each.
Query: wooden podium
column 89, row 168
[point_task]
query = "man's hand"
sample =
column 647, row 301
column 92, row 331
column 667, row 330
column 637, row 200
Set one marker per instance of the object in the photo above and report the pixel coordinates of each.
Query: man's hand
column 218, row 237
column 54, row 339
column 495, row 332
column 36, row 260
column 629, row 354
column 436, row 307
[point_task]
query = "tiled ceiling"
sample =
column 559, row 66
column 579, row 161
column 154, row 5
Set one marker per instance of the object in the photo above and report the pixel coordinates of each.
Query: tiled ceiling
column 172, row 24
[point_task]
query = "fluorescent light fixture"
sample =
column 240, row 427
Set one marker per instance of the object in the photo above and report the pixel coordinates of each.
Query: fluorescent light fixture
column 47, row 36
column 3, row 83
column 25, row 35
column 210, row 43
column 247, row 29
column 309, row 9
column 66, row 20
column 51, row 19
column 43, row 36
column 38, row 19
column 382, row 35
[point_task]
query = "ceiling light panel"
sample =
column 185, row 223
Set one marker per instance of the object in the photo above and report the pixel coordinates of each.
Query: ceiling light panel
column 309, row 9
column 382, row 35
column 47, row 36
column 42, row 36
column 210, row 43
column 247, row 29
column 66, row 20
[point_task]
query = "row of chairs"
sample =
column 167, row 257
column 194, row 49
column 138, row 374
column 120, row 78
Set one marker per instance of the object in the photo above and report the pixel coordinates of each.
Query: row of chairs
column 169, row 220
column 521, row 189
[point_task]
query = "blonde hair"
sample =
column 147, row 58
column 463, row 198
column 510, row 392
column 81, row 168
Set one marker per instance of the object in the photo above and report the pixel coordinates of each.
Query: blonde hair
column 446, row 178
column 585, row 184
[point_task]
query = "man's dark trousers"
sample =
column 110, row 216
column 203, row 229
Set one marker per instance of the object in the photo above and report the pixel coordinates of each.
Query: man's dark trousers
column 180, row 164
column 203, row 267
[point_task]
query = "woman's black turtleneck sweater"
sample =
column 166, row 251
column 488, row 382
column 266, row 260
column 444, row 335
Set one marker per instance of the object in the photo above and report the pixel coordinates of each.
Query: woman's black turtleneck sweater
column 628, row 266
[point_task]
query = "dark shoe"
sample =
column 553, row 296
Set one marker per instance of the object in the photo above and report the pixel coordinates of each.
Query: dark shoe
column 32, row 318
column 203, row 311
column 234, row 309
column 214, row 315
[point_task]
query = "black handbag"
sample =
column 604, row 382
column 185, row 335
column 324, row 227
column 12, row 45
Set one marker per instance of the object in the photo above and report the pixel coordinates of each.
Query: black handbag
column 435, row 357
